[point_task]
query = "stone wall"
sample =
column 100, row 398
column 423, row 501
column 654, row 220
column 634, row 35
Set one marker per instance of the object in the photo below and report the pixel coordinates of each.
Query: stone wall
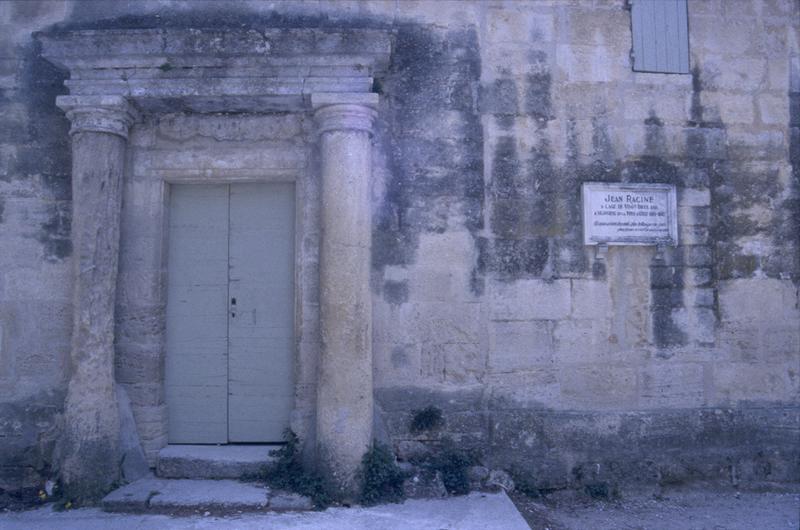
column 486, row 302
column 35, row 309
column 540, row 352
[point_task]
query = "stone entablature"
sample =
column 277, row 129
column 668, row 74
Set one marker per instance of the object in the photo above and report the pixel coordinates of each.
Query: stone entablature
column 207, row 70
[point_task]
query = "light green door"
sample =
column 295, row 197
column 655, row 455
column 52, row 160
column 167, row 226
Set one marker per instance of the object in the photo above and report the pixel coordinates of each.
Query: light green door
column 230, row 312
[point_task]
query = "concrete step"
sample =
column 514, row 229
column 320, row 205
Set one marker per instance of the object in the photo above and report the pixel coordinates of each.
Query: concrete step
column 188, row 496
column 213, row 461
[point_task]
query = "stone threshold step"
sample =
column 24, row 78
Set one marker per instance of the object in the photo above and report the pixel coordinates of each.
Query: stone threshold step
column 186, row 496
column 213, row 461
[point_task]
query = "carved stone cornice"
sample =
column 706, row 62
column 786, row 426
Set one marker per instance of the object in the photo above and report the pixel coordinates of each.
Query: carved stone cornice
column 105, row 114
column 208, row 70
column 345, row 111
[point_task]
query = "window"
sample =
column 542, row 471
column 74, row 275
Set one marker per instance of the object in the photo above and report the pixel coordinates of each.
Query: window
column 660, row 31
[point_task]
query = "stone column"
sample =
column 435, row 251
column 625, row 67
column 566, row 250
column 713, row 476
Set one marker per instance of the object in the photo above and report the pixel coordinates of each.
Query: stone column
column 90, row 455
column 344, row 385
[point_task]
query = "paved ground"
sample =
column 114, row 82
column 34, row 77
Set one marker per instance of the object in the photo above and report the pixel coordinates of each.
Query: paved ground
column 693, row 508
column 477, row 511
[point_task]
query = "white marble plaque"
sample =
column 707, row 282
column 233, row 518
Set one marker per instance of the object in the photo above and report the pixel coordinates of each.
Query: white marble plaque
column 629, row 214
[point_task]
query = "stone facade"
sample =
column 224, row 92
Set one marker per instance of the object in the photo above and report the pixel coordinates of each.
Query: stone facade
column 459, row 229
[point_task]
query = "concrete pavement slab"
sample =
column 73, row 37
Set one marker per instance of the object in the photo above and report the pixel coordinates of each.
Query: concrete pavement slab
column 476, row 511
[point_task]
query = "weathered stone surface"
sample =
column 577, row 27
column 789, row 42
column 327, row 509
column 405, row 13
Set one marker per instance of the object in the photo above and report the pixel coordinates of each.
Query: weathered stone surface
column 486, row 303
column 162, row 495
column 758, row 300
column 283, row 501
column 411, row 450
column 213, row 462
column 203, row 494
column 134, row 497
column 344, row 388
column 92, row 424
column 477, row 475
column 29, row 430
column 533, row 299
column 425, row 484
column 517, row 346
column 500, row 479
column 289, row 63
column 134, row 465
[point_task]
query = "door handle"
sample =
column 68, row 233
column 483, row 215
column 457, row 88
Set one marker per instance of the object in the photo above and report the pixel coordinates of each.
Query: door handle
column 233, row 307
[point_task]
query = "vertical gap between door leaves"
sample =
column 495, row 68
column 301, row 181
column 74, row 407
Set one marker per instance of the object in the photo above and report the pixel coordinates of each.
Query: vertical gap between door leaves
column 228, row 331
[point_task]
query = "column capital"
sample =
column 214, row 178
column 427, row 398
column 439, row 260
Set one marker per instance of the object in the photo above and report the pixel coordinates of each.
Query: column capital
column 104, row 114
column 344, row 111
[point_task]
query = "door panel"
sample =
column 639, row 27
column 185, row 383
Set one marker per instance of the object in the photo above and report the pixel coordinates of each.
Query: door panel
column 197, row 327
column 261, row 327
column 230, row 313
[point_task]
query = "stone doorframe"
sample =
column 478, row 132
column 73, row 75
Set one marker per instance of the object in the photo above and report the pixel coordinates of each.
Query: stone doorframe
column 117, row 77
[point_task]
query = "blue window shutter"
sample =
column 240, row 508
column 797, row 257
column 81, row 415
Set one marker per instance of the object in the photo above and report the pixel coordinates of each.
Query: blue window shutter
column 660, row 36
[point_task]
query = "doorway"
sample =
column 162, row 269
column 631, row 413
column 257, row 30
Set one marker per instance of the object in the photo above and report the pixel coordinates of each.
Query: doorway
column 230, row 312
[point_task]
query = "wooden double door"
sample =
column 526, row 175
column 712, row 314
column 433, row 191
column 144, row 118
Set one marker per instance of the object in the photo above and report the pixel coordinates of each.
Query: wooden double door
column 230, row 312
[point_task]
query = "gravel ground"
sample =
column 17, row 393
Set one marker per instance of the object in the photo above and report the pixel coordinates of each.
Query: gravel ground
column 692, row 508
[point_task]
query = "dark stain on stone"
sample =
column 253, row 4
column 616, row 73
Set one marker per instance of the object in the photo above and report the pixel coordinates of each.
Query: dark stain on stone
column 666, row 296
column 574, row 449
column 54, row 234
column 512, row 210
column 43, row 144
column 29, row 430
column 787, row 230
column 602, row 147
column 697, row 116
column 598, row 270
column 433, row 71
column 506, row 167
column 655, row 139
column 666, row 275
column 102, row 15
column 511, row 259
column 395, row 292
column 537, row 96
column 500, row 97
column 42, row 151
column 526, row 210
column 399, row 357
column 739, row 188
column 432, row 175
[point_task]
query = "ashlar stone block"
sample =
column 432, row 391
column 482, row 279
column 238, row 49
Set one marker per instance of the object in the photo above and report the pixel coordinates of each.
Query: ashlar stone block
column 532, row 388
column 672, row 385
column 590, row 299
column 758, row 300
column 519, row 26
column 755, row 382
column 582, row 341
column 531, row 300
column 598, row 386
column 516, row 346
